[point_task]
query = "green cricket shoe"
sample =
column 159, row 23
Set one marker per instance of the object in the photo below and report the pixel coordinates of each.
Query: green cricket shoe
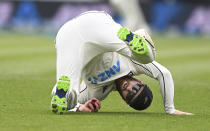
column 135, row 42
column 59, row 101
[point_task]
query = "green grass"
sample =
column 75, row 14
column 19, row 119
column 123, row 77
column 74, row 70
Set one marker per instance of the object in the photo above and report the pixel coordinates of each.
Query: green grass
column 27, row 74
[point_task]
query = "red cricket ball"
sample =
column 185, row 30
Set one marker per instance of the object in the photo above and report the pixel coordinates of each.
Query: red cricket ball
column 93, row 101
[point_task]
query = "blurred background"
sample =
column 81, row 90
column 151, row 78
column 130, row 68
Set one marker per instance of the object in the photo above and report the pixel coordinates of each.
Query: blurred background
column 161, row 16
column 180, row 30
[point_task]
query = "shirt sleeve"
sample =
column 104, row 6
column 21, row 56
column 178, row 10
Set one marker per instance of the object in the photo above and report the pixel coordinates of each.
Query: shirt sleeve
column 75, row 108
column 163, row 75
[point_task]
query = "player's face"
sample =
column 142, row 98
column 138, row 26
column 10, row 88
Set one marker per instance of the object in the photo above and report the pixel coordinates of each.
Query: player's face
column 125, row 85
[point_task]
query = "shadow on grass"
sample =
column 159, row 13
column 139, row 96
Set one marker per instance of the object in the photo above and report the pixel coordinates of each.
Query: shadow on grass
column 114, row 113
column 126, row 113
column 117, row 113
column 139, row 114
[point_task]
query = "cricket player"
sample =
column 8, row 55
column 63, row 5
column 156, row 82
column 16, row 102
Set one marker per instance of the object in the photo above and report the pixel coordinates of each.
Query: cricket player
column 96, row 56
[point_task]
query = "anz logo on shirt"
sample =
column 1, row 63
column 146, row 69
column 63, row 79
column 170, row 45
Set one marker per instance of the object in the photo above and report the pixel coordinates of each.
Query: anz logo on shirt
column 106, row 74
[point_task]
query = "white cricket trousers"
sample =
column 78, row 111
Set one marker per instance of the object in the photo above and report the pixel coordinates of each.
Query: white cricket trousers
column 80, row 40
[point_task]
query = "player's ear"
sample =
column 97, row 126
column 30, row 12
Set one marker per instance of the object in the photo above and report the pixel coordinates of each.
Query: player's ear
column 120, row 92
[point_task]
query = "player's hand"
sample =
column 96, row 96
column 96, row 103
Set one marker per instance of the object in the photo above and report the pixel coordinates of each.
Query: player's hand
column 177, row 112
column 92, row 105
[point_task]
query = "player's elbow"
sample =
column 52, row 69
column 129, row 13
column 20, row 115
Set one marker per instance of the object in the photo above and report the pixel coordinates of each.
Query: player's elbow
column 166, row 73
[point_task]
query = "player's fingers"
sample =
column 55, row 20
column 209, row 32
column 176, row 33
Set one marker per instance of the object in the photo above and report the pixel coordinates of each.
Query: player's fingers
column 99, row 104
column 90, row 105
column 188, row 114
column 97, row 107
column 96, row 104
column 177, row 112
column 96, row 101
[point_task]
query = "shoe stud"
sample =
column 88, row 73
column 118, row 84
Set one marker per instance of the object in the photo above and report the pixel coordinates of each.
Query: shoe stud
column 55, row 111
column 54, row 105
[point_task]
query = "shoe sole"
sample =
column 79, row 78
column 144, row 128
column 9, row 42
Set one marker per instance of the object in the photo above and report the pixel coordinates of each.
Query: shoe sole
column 59, row 105
column 137, row 43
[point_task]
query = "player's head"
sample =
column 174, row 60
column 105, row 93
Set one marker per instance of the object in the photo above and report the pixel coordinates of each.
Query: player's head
column 134, row 92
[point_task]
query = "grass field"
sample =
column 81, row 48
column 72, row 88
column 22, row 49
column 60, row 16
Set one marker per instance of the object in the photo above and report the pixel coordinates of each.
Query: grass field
column 27, row 74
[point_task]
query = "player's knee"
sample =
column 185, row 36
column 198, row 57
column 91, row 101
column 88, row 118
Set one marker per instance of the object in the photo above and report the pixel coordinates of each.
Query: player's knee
column 148, row 59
